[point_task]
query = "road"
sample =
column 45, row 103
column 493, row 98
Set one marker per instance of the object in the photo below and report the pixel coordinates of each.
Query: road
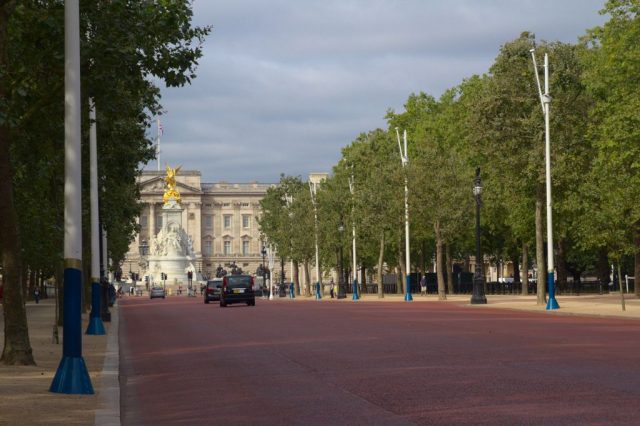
column 341, row 362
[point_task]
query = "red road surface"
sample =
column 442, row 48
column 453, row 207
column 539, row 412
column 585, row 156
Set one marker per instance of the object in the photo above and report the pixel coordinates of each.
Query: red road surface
column 318, row 363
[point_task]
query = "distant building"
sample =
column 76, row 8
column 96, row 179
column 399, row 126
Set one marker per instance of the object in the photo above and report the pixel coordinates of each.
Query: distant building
column 220, row 218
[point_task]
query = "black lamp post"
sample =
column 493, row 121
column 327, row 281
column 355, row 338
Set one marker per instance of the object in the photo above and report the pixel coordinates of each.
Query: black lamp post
column 143, row 249
column 478, row 297
column 263, row 267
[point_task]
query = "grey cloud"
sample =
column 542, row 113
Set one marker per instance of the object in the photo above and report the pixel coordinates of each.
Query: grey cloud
column 285, row 84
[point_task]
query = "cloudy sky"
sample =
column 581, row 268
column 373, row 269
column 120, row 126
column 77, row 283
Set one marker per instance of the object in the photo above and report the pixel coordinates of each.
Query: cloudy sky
column 285, row 84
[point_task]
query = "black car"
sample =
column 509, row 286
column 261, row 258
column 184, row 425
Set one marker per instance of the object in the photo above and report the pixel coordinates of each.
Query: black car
column 237, row 289
column 212, row 290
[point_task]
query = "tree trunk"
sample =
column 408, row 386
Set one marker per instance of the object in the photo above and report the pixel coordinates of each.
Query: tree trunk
column 602, row 267
column 540, row 265
column 380, row 263
column 525, row 269
column 442, row 295
column 307, row 286
column 363, row 281
column 449, row 268
column 17, row 347
column 636, row 267
column 561, row 263
column 515, row 261
column 423, row 250
column 296, row 277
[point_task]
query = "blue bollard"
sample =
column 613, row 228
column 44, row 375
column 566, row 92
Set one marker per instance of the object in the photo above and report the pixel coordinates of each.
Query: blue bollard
column 552, row 303
column 355, row 290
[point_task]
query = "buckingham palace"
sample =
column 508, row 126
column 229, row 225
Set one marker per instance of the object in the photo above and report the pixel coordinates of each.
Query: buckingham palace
column 220, row 220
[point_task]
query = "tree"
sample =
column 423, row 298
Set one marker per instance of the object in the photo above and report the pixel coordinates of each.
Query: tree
column 612, row 60
column 135, row 41
column 375, row 208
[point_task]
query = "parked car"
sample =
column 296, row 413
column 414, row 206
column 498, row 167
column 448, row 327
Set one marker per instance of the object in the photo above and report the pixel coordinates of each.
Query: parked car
column 212, row 290
column 237, row 289
column 156, row 292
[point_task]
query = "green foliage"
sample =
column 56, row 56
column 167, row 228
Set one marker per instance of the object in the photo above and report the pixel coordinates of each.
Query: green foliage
column 136, row 42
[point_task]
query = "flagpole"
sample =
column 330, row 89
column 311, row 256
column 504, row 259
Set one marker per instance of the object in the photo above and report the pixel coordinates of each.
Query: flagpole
column 158, row 143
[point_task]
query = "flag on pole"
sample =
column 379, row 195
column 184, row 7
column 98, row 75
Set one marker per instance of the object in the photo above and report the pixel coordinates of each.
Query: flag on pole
column 160, row 128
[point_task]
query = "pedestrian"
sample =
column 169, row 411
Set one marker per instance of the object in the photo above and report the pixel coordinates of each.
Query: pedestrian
column 36, row 295
column 423, row 285
column 331, row 288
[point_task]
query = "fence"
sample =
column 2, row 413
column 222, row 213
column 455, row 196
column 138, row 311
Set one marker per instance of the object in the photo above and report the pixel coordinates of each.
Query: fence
column 463, row 284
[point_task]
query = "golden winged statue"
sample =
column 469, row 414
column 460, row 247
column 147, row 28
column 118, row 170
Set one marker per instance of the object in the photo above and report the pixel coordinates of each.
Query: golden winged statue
column 170, row 179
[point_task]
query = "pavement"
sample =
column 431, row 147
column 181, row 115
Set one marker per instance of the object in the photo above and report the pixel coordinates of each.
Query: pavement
column 23, row 388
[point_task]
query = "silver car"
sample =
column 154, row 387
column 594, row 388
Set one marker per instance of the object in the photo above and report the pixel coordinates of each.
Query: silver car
column 156, row 292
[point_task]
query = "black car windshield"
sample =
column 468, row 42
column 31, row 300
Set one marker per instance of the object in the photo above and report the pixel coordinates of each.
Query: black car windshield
column 214, row 284
column 239, row 281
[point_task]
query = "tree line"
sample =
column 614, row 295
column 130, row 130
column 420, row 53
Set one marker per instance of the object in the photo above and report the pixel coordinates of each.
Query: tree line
column 128, row 48
column 493, row 121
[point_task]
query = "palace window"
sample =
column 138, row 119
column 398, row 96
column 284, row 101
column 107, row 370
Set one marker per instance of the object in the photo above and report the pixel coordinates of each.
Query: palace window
column 246, row 221
column 208, row 221
column 208, row 248
column 143, row 221
column 227, row 247
column 158, row 223
column 227, row 221
column 245, row 248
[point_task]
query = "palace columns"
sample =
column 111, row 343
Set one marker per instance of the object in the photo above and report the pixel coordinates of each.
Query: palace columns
column 152, row 220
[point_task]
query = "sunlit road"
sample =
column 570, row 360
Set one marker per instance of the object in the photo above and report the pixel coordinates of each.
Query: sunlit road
column 307, row 362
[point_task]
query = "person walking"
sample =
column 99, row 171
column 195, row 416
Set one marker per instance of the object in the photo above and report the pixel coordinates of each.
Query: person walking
column 36, row 295
column 423, row 285
column 331, row 288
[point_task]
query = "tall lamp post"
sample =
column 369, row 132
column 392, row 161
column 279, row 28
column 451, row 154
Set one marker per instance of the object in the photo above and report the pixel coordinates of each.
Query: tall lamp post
column 545, row 101
column 313, row 189
column 264, row 266
column 404, row 157
column 72, row 376
column 96, row 326
column 271, row 262
column 478, row 297
column 341, row 280
column 353, row 239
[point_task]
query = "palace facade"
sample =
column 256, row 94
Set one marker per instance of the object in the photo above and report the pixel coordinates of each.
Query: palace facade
column 220, row 219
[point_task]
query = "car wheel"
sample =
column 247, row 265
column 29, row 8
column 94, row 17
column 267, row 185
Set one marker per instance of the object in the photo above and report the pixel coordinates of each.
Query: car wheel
column 253, row 303
column 248, row 303
column 222, row 304
column 206, row 301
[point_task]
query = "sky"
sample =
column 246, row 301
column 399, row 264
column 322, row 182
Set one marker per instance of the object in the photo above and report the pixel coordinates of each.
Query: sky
column 284, row 85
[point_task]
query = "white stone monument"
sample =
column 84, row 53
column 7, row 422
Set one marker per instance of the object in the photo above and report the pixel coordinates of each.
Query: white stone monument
column 171, row 251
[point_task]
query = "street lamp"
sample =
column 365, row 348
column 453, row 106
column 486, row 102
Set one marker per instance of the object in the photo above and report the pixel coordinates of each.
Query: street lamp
column 353, row 231
column 271, row 262
column 478, row 297
column 404, row 157
column 545, row 101
column 263, row 266
column 341, row 289
column 313, row 190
